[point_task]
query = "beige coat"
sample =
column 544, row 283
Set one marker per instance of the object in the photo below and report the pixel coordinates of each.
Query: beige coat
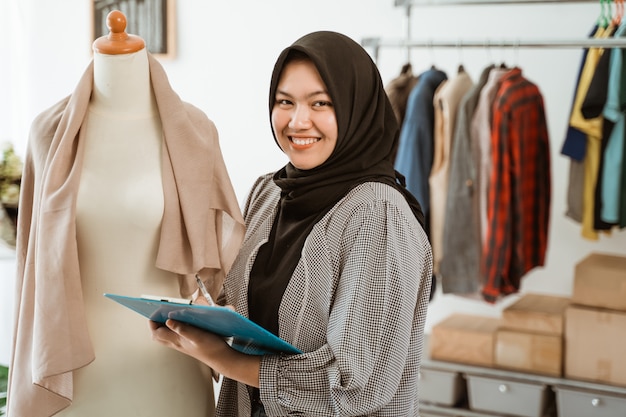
column 202, row 229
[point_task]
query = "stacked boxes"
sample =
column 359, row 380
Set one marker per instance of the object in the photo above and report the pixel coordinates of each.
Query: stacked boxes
column 595, row 327
column 472, row 340
column 530, row 338
column 581, row 338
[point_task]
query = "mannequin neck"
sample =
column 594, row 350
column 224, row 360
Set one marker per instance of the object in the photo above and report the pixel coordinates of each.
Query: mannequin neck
column 122, row 85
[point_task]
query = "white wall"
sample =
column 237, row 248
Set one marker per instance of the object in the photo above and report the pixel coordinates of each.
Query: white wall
column 225, row 54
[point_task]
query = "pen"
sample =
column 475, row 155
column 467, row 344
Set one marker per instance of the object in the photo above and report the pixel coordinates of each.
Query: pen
column 205, row 292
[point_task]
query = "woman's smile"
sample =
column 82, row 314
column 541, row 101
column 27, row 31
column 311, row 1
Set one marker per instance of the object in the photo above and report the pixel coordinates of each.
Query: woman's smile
column 303, row 142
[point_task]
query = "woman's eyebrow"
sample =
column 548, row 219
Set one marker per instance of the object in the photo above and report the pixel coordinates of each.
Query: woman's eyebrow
column 312, row 94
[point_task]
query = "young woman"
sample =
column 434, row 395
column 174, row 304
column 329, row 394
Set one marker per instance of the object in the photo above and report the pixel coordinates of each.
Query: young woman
column 335, row 259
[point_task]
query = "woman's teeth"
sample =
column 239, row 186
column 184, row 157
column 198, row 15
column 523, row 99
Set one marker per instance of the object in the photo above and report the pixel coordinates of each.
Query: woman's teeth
column 304, row 141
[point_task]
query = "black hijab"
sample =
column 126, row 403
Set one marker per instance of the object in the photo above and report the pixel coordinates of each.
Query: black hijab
column 368, row 135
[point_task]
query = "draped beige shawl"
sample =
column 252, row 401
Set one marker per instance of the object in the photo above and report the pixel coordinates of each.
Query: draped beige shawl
column 202, row 229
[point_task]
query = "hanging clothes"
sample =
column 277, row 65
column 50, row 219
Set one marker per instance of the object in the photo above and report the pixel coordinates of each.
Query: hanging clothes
column 592, row 107
column 398, row 91
column 415, row 152
column 445, row 104
column 574, row 146
column 581, row 187
column 518, row 205
column 610, row 176
column 622, row 107
column 480, row 132
column 460, row 263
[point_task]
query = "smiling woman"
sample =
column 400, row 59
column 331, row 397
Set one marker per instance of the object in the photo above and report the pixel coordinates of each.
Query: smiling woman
column 335, row 259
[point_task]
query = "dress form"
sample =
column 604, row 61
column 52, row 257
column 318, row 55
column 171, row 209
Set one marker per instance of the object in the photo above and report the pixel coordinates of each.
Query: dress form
column 119, row 208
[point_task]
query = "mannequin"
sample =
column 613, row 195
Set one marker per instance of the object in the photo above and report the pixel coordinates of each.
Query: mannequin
column 118, row 214
column 124, row 191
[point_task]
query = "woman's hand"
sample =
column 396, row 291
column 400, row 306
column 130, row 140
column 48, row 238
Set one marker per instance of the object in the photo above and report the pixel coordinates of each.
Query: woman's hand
column 188, row 339
column 208, row 348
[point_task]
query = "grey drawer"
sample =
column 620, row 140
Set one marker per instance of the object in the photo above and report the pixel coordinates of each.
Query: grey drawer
column 573, row 402
column 441, row 387
column 507, row 396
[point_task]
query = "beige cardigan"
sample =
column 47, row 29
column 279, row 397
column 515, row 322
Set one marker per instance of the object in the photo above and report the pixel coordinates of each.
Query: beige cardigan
column 202, row 229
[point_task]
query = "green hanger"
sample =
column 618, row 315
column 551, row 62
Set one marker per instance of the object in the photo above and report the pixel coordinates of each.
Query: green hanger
column 605, row 13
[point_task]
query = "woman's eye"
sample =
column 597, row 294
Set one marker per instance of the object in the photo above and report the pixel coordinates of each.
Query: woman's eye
column 322, row 103
column 283, row 102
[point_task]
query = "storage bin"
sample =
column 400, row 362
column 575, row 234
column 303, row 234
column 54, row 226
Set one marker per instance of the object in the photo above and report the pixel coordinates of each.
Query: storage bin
column 441, row 387
column 573, row 402
column 507, row 396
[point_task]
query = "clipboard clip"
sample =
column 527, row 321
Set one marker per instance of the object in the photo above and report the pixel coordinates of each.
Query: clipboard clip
column 172, row 300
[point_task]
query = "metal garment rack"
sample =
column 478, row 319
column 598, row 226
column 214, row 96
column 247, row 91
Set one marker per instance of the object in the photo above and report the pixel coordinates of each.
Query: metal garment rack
column 377, row 43
column 408, row 43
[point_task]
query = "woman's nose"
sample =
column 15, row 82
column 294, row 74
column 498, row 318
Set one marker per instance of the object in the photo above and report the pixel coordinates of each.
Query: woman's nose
column 300, row 118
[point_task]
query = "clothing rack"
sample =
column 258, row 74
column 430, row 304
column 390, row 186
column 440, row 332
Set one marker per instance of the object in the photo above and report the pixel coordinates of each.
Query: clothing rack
column 408, row 43
column 377, row 43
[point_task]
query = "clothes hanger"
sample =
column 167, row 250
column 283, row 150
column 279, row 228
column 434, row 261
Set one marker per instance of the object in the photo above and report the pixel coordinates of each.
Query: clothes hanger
column 431, row 51
column 503, row 64
column 461, row 68
column 618, row 12
column 604, row 18
column 407, row 68
column 488, row 50
column 515, row 53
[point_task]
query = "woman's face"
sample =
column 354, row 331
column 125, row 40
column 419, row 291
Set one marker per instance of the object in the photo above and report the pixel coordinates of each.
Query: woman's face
column 303, row 117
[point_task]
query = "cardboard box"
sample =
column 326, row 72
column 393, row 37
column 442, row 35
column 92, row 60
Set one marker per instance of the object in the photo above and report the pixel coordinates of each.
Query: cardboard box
column 594, row 345
column 464, row 338
column 536, row 313
column 600, row 281
column 538, row 353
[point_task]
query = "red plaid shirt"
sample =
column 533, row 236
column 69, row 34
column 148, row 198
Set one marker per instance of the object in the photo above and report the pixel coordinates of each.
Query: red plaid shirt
column 518, row 203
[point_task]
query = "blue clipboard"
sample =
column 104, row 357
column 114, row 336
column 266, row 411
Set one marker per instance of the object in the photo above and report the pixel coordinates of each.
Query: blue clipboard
column 245, row 335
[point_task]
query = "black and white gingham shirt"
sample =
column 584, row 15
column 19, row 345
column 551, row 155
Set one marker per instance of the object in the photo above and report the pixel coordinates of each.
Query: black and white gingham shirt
column 356, row 305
